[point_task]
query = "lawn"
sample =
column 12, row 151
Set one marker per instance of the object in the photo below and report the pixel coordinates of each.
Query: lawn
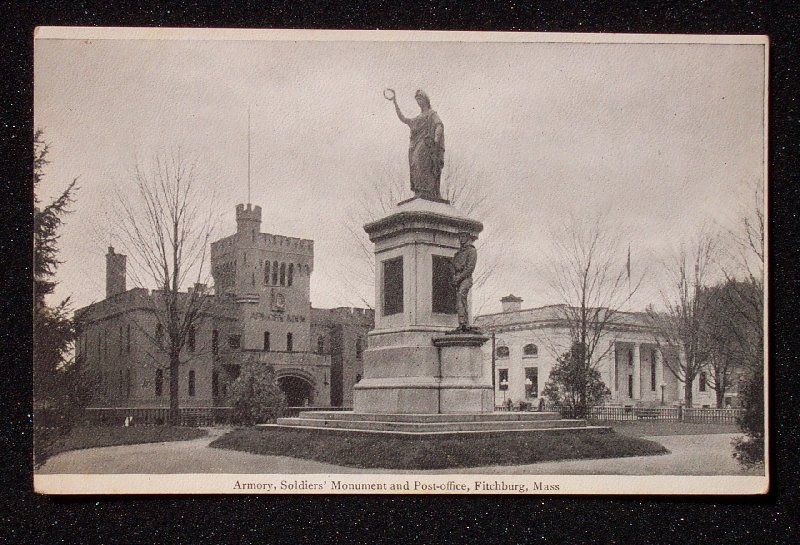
column 107, row 436
column 643, row 428
column 384, row 451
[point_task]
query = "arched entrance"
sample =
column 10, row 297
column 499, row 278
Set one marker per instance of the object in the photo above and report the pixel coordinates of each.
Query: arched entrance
column 299, row 392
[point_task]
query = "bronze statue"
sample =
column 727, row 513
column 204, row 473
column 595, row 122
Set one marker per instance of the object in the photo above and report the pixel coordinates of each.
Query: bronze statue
column 463, row 266
column 426, row 149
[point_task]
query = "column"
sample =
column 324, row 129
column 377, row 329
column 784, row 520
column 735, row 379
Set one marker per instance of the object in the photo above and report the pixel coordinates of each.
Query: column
column 637, row 372
column 613, row 378
column 660, row 376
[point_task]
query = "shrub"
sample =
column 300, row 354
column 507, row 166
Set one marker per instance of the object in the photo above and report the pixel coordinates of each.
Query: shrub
column 749, row 450
column 574, row 385
column 255, row 397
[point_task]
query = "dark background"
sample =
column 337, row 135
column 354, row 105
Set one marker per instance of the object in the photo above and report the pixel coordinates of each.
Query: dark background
column 28, row 518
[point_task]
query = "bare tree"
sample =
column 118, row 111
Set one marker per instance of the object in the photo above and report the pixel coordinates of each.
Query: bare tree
column 166, row 233
column 679, row 329
column 462, row 184
column 589, row 274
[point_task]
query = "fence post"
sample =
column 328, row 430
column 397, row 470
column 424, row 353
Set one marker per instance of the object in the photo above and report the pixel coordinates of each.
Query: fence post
column 680, row 413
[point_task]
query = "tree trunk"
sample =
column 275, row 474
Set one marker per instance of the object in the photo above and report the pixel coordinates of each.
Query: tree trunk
column 174, row 390
column 687, row 393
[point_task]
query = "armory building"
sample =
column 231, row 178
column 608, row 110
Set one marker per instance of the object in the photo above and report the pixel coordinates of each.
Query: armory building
column 526, row 343
column 259, row 313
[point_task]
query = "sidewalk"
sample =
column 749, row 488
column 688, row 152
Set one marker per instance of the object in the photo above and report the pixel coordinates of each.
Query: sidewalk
column 689, row 455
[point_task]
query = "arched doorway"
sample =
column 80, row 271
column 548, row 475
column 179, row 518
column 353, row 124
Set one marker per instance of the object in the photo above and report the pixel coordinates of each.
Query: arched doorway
column 299, row 392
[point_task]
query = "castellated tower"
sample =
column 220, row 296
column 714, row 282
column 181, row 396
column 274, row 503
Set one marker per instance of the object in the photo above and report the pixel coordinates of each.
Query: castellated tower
column 115, row 272
column 269, row 277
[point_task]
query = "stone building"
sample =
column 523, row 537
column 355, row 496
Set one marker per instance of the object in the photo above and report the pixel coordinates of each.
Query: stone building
column 259, row 313
column 526, row 342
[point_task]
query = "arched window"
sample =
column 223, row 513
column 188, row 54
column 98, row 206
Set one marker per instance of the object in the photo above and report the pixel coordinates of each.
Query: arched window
column 191, row 383
column 283, row 274
column 502, row 352
column 320, row 345
column 274, row 273
column 530, row 350
column 266, row 272
column 291, row 274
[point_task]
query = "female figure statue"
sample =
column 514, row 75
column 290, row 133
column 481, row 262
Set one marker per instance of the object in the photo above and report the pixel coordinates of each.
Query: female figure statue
column 426, row 149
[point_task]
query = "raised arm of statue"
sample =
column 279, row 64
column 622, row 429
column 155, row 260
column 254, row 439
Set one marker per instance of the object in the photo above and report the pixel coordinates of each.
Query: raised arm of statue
column 393, row 97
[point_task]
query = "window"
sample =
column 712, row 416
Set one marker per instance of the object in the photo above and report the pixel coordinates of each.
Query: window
column 630, row 386
column 359, row 348
column 531, row 382
column 266, row 272
column 530, row 350
column 266, row 341
column 121, row 344
column 274, row 273
column 215, row 342
column 159, row 334
column 128, row 340
column 291, row 274
column 283, row 274
column 128, row 383
column 234, row 341
column 215, row 384
column 191, row 340
column 502, row 352
column 703, row 379
column 191, row 383
column 502, row 379
column 159, row 382
column 320, row 345
column 289, row 342
column 393, row 286
column 653, row 371
column 252, row 279
column 630, row 359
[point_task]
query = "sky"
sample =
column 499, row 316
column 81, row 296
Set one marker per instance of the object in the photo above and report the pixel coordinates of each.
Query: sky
column 662, row 139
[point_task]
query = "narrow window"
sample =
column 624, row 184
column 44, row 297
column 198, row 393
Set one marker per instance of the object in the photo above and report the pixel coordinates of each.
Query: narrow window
column 630, row 386
column 320, row 345
column 289, row 342
column 283, row 274
column 215, row 384
column 274, row 273
column 215, row 342
column 191, row 341
column 703, row 379
column 128, row 340
column 121, row 343
column 502, row 379
column 252, row 279
column 191, row 383
column 531, row 382
column 159, row 382
column 359, row 348
column 266, row 341
column 128, row 383
column 266, row 272
column 291, row 274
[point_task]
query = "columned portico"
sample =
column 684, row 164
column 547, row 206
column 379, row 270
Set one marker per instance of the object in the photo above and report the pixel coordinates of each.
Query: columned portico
column 637, row 372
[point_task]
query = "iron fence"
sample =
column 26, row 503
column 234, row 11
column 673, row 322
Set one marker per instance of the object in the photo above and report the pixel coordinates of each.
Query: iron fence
column 675, row 414
column 157, row 416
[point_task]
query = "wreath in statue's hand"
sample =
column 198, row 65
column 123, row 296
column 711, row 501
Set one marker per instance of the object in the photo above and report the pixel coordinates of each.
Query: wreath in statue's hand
column 388, row 94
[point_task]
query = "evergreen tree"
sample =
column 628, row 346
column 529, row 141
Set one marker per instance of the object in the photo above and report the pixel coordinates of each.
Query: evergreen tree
column 61, row 387
column 575, row 386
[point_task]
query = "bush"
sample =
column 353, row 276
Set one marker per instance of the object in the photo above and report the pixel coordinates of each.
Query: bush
column 574, row 385
column 255, row 397
column 749, row 450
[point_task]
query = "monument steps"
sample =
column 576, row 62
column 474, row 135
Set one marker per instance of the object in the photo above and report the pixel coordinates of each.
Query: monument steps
column 431, row 417
column 306, row 427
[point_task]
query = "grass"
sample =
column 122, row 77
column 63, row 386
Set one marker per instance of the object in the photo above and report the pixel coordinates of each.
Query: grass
column 655, row 428
column 107, row 436
column 372, row 450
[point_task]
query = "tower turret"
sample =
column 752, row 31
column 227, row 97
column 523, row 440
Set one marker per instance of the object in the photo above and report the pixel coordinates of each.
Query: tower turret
column 248, row 219
column 115, row 272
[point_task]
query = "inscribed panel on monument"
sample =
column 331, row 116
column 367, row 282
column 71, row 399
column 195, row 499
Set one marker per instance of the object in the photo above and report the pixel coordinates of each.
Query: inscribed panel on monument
column 443, row 293
column 393, row 286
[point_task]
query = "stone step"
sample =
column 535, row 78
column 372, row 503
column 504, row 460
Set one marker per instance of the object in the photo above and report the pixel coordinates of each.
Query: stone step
column 419, row 427
column 578, row 429
column 456, row 417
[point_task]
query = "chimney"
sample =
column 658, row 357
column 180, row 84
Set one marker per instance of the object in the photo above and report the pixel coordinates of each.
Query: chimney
column 115, row 273
column 511, row 303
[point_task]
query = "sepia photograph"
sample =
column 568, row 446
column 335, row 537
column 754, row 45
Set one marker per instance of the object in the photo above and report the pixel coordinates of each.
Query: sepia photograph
column 399, row 262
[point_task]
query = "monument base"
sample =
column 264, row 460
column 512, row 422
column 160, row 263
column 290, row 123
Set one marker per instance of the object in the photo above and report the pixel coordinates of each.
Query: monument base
column 445, row 378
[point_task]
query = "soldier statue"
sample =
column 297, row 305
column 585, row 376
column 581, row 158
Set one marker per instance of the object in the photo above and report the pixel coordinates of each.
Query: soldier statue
column 463, row 266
